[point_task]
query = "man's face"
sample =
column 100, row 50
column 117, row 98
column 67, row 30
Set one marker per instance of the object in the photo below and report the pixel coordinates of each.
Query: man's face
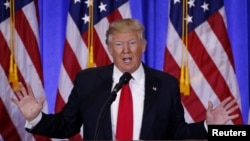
column 127, row 49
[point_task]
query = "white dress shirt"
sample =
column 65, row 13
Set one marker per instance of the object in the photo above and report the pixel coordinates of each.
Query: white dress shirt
column 137, row 86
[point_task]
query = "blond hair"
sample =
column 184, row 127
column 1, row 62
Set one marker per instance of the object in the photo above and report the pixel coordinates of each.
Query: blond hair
column 124, row 25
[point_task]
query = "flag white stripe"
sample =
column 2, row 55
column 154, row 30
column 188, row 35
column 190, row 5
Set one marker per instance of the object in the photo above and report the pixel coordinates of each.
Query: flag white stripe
column 13, row 111
column 29, row 11
column 65, row 84
column 76, row 43
column 30, row 73
column 223, row 14
column 80, row 48
column 197, row 81
column 4, row 28
column 101, row 29
column 125, row 10
column 218, row 55
column 27, row 70
column 187, row 116
column 1, row 138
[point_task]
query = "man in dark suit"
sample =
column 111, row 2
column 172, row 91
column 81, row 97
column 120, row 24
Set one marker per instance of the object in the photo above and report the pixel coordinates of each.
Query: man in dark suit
column 158, row 111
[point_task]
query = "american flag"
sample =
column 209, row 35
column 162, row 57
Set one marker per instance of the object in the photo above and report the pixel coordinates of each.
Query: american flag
column 29, row 68
column 76, row 53
column 209, row 56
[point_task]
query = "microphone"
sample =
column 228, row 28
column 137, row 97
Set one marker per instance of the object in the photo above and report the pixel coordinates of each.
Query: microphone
column 124, row 79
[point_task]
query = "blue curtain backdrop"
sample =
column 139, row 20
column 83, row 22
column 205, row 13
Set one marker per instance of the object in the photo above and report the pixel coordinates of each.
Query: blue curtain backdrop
column 154, row 15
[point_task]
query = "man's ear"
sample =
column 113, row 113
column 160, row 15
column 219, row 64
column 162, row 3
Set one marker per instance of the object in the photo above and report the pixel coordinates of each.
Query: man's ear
column 110, row 49
column 144, row 45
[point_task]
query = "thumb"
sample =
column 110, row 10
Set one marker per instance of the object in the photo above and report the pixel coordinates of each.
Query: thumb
column 41, row 100
column 210, row 105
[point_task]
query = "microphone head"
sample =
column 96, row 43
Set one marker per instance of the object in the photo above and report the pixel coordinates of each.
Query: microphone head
column 125, row 77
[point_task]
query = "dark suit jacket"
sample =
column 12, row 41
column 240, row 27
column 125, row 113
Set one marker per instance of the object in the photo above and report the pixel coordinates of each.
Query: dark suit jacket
column 163, row 115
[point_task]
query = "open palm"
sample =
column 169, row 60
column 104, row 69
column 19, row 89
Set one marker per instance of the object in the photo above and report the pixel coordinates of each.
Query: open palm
column 29, row 106
column 222, row 113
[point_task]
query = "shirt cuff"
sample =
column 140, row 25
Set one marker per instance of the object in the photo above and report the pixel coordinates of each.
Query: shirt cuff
column 205, row 125
column 34, row 122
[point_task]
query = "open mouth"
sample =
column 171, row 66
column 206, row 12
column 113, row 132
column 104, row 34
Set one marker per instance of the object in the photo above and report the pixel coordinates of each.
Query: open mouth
column 127, row 59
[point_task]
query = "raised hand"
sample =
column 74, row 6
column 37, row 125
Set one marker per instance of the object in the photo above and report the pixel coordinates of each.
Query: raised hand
column 222, row 113
column 29, row 106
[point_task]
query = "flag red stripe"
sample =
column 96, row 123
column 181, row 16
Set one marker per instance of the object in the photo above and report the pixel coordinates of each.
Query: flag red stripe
column 4, row 54
column 28, row 38
column 218, row 27
column 7, row 130
column 59, row 102
column 76, row 137
column 41, row 138
column 100, row 52
column 5, row 59
column 170, row 64
column 114, row 16
column 71, row 69
column 28, row 61
column 196, row 109
column 37, row 11
column 58, row 107
column 69, row 58
column 209, row 70
column 100, row 55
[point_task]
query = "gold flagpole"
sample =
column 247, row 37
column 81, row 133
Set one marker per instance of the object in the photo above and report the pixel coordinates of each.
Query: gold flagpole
column 13, row 75
column 90, row 34
column 184, row 73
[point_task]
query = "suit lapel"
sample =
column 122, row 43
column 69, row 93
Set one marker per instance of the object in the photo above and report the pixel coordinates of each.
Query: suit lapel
column 152, row 88
column 105, row 76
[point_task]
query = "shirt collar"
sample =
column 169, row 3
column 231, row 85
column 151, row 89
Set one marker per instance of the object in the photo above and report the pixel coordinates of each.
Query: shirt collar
column 136, row 75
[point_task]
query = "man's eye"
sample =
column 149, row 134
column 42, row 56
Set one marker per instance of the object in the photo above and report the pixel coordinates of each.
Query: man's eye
column 132, row 42
column 118, row 44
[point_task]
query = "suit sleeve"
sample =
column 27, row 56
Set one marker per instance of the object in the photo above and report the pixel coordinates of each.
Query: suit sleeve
column 63, row 124
column 184, row 130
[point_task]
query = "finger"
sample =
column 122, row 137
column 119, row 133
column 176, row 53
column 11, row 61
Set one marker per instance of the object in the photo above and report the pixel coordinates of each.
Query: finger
column 230, row 104
column 231, row 110
column 233, row 116
column 18, row 94
column 23, row 90
column 41, row 100
column 30, row 92
column 225, row 101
